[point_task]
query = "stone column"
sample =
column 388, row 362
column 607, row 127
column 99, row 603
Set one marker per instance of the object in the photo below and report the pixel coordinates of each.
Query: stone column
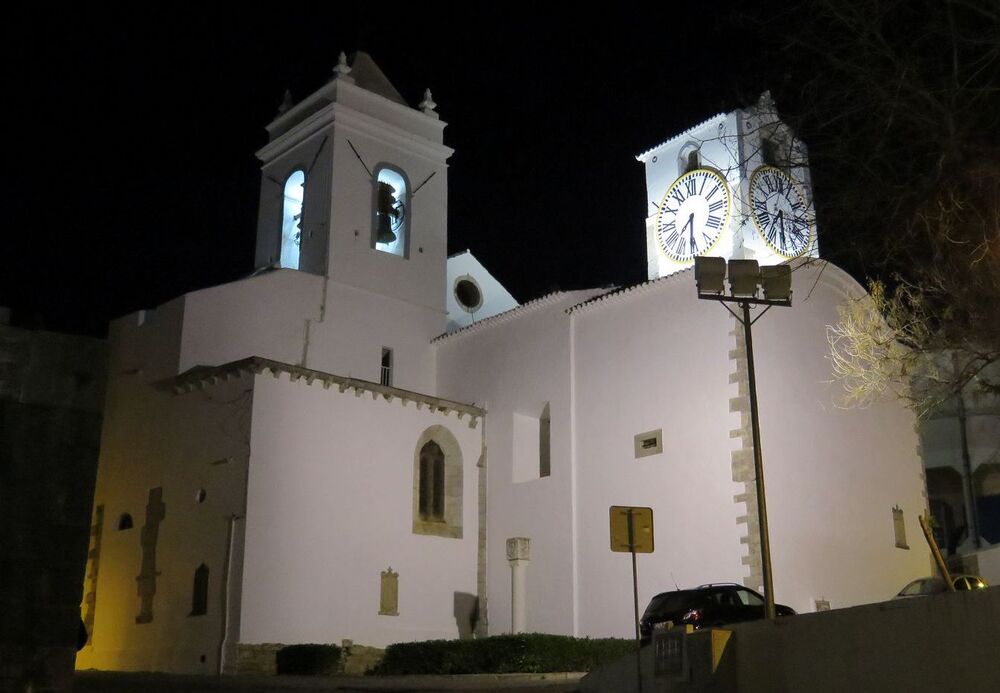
column 518, row 555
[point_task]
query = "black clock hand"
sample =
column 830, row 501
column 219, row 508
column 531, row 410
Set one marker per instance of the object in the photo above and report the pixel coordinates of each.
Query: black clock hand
column 781, row 226
column 690, row 226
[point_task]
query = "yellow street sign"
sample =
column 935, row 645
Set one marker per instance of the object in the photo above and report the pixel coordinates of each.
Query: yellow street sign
column 631, row 529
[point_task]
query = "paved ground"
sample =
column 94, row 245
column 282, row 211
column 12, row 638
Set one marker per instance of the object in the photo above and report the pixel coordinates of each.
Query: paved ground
column 117, row 682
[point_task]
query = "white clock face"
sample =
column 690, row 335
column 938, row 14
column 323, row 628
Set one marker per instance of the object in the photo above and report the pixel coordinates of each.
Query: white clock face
column 693, row 214
column 780, row 212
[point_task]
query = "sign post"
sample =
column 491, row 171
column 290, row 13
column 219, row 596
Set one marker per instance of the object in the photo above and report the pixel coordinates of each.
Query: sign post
column 632, row 531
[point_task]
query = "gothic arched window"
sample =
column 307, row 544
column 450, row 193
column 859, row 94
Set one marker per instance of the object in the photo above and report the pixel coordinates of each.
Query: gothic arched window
column 391, row 213
column 431, row 482
column 291, row 219
column 437, row 484
column 199, row 591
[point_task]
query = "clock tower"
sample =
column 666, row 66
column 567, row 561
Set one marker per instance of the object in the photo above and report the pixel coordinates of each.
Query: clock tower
column 736, row 186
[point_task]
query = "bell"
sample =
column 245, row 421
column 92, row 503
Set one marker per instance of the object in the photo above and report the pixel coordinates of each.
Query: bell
column 385, row 213
column 383, row 232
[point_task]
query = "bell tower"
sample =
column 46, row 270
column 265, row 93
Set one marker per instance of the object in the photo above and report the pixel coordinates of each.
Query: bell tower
column 354, row 189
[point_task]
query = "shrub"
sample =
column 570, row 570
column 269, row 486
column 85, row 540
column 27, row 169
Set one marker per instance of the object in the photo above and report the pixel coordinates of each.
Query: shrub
column 502, row 654
column 310, row 660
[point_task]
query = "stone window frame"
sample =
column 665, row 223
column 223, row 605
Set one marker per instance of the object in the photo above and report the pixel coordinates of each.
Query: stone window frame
column 451, row 524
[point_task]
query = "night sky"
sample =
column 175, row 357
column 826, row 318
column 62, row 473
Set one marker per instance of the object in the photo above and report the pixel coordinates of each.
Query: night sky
column 133, row 178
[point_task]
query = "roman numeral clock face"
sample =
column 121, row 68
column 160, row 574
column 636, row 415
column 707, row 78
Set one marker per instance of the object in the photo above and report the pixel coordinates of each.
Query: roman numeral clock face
column 780, row 212
column 693, row 214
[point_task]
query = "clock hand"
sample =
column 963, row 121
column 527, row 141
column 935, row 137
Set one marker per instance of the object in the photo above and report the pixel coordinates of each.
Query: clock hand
column 690, row 227
column 781, row 226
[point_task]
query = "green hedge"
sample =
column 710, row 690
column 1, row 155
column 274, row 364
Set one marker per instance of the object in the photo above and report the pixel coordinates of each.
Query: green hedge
column 312, row 660
column 502, row 654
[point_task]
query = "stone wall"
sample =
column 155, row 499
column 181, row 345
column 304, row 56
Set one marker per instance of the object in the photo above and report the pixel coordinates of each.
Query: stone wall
column 256, row 659
column 260, row 659
column 51, row 388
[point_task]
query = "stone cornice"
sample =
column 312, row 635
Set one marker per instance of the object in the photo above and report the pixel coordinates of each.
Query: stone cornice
column 207, row 376
column 359, row 122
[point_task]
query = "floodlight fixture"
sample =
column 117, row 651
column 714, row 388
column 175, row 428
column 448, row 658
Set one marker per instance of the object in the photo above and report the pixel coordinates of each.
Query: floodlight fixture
column 776, row 281
column 710, row 275
column 744, row 278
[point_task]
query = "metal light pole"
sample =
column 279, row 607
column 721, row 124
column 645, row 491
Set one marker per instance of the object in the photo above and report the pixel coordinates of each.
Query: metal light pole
column 745, row 278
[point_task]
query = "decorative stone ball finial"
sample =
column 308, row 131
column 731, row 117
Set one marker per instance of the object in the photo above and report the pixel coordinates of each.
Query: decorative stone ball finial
column 342, row 70
column 428, row 105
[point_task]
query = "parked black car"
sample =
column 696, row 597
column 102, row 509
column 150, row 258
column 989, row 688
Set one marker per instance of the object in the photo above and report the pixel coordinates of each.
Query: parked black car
column 704, row 607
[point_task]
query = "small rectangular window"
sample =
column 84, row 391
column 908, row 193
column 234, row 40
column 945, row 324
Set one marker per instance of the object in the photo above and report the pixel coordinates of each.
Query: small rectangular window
column 649, row 443
column 385, row 378
column 899, row 528
column 544, row 443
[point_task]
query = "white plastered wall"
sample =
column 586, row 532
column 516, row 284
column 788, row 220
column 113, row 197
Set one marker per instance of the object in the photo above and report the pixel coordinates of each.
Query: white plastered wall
column 833, row 475
column 330, row 506
column 653, row 358
column 512, row 365
column 268, row 316
column 659, row 358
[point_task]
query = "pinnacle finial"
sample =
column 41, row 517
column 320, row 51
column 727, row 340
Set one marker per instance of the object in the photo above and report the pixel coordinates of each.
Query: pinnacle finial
column 286, row 102
column 428, row 105
column 342, row 70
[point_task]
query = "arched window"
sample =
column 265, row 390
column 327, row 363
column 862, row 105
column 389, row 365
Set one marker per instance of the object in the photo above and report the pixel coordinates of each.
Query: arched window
column 689, row 157
column 437, row 484
column 431, row 482
column 291, row 219
column 199, row 591
column 391, row 213
column 124, row 521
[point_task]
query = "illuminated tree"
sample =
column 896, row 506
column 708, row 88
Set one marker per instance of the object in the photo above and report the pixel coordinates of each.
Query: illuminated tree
column 898, row 102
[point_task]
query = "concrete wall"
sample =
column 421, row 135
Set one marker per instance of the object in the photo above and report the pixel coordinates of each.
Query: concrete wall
column 947, row 642
column 330, row 506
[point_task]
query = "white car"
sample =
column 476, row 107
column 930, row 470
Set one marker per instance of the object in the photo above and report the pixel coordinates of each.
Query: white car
column 934, row 585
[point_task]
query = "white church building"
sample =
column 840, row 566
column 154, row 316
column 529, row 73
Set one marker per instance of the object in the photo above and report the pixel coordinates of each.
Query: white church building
column 370, row 440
